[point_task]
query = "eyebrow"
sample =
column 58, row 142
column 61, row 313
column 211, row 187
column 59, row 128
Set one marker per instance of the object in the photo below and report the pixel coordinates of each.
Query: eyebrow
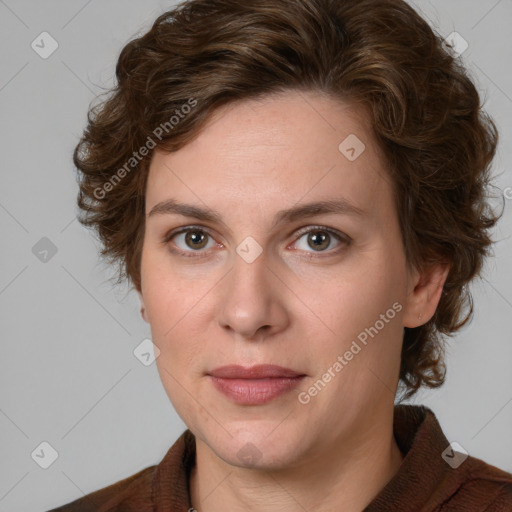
column 338, row 206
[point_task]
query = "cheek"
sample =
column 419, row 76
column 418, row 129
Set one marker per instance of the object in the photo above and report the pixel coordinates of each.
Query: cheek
column 175, row 309
column 352, row 299
column 377, row 312
column 168, row 296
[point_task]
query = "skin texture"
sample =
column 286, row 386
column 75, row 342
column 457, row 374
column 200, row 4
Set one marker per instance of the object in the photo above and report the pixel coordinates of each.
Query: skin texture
column 295, row 305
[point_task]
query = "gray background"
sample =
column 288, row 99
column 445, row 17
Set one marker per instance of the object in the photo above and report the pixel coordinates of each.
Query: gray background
column 68, row 375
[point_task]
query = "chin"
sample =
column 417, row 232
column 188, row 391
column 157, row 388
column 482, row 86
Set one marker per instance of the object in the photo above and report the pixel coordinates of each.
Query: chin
column 256, row 445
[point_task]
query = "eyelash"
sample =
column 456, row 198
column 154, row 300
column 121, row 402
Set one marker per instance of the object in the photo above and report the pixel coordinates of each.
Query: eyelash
column 344, row 239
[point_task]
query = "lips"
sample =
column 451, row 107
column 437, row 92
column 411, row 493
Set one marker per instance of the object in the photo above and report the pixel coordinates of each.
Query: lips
column 260, row 371
column 255, row 385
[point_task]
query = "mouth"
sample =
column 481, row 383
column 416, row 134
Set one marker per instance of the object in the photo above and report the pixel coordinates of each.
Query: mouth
column 254, row 385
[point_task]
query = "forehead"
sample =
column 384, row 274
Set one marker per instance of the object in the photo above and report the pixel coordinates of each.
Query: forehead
column 272, row 152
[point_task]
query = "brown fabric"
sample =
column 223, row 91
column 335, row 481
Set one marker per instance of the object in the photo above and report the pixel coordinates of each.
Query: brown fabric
column 424, row 482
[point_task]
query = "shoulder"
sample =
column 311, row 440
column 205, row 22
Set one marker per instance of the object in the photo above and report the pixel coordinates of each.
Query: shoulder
column 482, row 487
column 437, row 476
column 503, row 500
column 128, row 495
column 165, row 484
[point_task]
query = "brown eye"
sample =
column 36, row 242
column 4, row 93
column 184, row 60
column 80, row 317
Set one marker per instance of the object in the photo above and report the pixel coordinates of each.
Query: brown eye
column 196, row 239
column 190, row 242
column 319, row 239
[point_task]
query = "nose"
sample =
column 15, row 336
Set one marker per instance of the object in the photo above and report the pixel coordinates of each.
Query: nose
column 253, row 299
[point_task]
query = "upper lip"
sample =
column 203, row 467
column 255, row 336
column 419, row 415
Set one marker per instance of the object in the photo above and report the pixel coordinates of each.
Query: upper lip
column 259, row 371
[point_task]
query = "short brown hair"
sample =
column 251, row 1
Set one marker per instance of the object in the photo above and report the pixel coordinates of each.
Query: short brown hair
column 379, row 54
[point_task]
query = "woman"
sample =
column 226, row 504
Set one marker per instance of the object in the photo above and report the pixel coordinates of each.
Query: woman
column 296, row 190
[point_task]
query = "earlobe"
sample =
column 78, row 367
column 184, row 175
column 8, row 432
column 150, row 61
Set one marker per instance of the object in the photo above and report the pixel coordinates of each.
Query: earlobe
column 424, row 294
column 142, row 307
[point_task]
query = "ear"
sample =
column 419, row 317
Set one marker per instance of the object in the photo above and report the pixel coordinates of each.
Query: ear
column 424, row 292
column 142, row 307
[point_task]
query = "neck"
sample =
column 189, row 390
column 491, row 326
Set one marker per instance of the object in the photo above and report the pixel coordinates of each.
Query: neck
column 346, row 476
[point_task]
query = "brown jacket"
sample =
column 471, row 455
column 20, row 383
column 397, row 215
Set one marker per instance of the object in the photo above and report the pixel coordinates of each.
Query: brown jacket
column 425, row 482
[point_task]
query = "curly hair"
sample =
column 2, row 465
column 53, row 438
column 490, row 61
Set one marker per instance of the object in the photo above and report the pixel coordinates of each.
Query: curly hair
column 437, row 142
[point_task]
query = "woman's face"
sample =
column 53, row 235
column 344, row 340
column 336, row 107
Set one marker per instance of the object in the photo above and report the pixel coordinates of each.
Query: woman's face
column 322, row 292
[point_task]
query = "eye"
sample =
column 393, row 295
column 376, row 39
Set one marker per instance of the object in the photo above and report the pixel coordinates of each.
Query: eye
column 320, row 238
column 188, row 238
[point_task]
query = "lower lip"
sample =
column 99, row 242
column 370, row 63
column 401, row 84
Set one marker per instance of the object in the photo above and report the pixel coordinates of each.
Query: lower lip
column 255, row 391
